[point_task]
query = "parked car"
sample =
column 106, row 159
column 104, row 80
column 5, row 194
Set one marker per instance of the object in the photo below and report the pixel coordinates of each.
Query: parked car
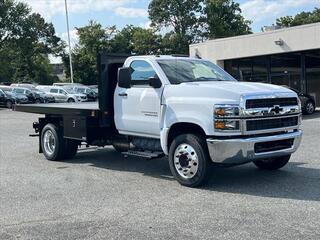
column 308, row 103
column 94, row 88
column 43, row 96
column 6, row 100
column 64, row 95
column 18, row 98
column 91, row 95
column 23, row 85
column 32, row 97
column 63, row 84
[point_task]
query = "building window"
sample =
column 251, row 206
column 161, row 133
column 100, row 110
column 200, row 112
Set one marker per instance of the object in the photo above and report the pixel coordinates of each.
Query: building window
column 248, row 69
column 286, row 70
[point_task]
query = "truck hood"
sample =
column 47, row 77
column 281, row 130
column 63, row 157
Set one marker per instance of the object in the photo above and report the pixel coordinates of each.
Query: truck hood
column 227, row 91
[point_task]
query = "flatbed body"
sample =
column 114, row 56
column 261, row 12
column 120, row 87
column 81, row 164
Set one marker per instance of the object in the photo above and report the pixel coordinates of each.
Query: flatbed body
column 79, row 109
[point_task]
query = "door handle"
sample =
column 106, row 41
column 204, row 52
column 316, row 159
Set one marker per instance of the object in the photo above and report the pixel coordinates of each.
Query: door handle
column 123, row 94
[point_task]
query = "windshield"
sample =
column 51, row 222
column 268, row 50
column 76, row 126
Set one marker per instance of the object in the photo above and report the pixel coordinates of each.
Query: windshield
column 187, row 70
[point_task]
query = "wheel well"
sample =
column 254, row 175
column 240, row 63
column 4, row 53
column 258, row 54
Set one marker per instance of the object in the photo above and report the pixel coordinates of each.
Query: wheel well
column 183, row 128
column 311, row 100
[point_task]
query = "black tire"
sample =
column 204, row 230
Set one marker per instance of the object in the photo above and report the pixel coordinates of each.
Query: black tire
column 9, row 104
column 37, row 101
column 70, row 148
column 71, row 100
column 272, row 163
column 201, row 151
column 58, row 153
column 309, row 108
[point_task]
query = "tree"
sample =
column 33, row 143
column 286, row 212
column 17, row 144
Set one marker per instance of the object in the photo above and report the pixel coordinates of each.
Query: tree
column 223, row 19
column 94, row 39
column 145, row 42
column 191, row 21
column 299, row 19
column 25, row 37
column 179, row 18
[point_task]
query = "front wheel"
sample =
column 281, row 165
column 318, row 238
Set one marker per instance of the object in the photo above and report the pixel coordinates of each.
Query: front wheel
column 272, row 163
column 71, row 100
column 189, row 160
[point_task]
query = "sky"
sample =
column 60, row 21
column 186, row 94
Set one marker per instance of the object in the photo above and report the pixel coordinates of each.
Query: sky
column 123, row 12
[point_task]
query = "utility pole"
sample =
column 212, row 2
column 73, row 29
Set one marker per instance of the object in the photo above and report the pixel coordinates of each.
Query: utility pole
column 70, row 54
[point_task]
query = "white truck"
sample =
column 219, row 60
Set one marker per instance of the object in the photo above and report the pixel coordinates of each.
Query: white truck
column 185, row 108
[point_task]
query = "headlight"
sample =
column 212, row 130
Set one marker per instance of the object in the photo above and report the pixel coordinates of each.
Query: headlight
column 225, row 118
column 226, row 111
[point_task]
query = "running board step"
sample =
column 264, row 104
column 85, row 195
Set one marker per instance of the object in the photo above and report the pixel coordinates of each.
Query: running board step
column 142, row 154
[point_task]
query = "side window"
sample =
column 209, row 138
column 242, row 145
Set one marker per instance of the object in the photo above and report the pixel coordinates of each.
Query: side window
column 62, row 91
column 18, row 90
column 141, row 71
column 54, row 90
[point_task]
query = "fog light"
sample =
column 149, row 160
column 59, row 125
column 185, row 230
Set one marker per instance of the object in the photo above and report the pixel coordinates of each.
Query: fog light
column 219, row 125
column 231, row 125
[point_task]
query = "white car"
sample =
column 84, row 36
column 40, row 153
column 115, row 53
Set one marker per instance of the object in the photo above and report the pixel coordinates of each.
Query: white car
column 63, row 95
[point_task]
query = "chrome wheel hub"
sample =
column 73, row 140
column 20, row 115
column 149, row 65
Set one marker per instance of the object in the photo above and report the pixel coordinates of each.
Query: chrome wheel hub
column 310, row 108
column 186, row 161
column 49, row 142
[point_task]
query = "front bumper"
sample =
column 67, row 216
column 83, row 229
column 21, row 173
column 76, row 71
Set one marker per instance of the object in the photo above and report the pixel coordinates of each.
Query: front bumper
column 242, row 150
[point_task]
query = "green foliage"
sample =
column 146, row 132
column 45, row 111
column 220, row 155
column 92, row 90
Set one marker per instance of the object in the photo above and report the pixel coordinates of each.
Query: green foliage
column 25, row 42
column 180, row 18
column 191, row 21
column 299, row 19
column 223, row 19
column 93, row 39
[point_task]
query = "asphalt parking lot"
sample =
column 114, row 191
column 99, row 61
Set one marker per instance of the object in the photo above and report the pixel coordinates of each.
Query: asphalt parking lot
column 102, row 195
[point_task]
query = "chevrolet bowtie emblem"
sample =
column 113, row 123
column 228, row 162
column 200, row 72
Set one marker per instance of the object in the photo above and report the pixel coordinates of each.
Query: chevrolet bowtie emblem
column 275, row 109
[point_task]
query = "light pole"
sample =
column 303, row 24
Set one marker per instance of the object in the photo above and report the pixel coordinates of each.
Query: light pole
column 70, row 54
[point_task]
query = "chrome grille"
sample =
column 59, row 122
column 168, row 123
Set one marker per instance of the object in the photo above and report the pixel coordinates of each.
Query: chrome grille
column 271, row 102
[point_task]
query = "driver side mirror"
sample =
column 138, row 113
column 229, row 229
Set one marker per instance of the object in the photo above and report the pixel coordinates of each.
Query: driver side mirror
column 124, row 77
column 155, row 82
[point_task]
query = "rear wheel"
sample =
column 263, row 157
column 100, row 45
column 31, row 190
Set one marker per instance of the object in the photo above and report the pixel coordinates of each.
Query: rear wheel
column 189, row 160
column 52, row 143
column 9, row 104
column 272, row 163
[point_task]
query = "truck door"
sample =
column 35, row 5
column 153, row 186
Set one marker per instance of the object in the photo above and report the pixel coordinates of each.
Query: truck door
column 137, row 109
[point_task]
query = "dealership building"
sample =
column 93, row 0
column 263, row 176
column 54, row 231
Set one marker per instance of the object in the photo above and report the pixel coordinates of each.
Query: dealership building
column 288, row 56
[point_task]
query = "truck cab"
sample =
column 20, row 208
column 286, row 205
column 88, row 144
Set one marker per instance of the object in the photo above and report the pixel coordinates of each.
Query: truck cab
column 185, row 108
